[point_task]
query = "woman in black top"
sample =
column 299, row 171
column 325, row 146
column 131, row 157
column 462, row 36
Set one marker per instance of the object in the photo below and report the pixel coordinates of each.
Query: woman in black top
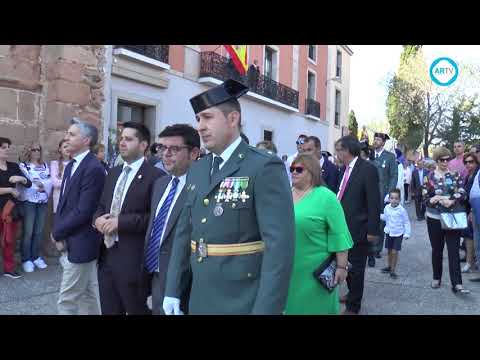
column 10, row 176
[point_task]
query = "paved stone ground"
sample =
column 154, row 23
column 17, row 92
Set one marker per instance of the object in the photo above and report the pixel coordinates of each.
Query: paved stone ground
column 410, row 294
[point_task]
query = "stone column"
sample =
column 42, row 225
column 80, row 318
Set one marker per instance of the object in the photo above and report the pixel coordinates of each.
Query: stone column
column 73, row 77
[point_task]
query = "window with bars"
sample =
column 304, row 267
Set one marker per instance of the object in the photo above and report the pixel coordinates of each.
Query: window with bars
column 311, row 85
column 312, row 52
column 267, row 135
column 338, row 97
column 339, row 64
column 269, row 62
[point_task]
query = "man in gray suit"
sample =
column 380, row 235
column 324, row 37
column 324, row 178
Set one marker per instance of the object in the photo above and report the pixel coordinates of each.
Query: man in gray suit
column 179, row 147
column 386, row 163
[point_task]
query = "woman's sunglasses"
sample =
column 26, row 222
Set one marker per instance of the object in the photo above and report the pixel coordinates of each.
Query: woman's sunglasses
column 35, row 150
column 444, row 159
column 298, row 169
column 469, row 162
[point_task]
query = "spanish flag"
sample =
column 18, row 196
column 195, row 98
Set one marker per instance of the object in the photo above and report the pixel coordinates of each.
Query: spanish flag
column 238, row 53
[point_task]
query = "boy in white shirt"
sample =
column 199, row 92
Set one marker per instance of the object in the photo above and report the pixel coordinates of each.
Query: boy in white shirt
column 397, row 228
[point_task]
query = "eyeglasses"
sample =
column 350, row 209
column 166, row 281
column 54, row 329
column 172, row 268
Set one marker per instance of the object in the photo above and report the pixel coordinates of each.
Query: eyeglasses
column 35, row 150
column 469, row 162
column 301, row 141
column 444, row 159
column 298, row 169
column 173, row 149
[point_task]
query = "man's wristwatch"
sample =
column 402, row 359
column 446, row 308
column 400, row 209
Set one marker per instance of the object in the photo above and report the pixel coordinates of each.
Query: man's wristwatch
column 343, row 267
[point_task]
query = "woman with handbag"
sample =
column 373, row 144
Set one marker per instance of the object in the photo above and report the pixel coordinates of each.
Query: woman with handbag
column 10, row 177
column 445, row 197
column 321, row 236
column 35, row 207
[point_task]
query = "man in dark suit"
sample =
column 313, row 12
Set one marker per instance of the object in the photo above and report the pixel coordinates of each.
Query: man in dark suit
column 418, row 177
column 180, row 147
column 122, row 217
column 387, row 166
column 75, row 237
column 330, row 173
column 360, row 198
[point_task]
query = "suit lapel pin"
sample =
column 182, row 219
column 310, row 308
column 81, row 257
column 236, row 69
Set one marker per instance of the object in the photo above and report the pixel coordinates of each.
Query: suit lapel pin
column 241, row 156
column 140, row 176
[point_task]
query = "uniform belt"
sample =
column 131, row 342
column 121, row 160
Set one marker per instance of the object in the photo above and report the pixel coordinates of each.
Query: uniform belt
column 231, row 249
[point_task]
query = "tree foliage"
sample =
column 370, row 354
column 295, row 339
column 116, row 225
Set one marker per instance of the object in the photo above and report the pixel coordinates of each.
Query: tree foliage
column 352, row 124
column 420, row 112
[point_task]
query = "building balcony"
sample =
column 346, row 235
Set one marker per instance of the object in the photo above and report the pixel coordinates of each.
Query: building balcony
column 213, row 65
column 312, row 108
column 156, row 52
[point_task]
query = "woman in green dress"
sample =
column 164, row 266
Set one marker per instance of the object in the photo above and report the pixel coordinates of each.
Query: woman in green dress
column 321, row 230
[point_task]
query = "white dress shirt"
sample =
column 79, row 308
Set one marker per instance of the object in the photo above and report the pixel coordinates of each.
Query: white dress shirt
column 78, row 160
column 227, row 153
column 351, row 165
column 420, row 176
column 322, row 160
column 135, row 166
column 378, row 154
column 181, row 183
column 396, row 221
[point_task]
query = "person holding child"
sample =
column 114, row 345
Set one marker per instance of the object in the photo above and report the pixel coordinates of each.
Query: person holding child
column 397, row 228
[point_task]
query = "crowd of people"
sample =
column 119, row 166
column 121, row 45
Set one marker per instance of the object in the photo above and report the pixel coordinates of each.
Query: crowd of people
column 174, row 228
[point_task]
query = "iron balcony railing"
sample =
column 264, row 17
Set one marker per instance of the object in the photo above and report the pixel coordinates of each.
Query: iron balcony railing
column 312, row 107
column 157, row 52
column 219, row 67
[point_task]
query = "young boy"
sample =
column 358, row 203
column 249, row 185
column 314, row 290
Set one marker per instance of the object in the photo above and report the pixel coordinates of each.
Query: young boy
column 397, row 228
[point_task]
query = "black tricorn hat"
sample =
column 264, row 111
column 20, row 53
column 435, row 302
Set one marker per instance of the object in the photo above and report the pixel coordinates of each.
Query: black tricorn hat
column 383, row 136
column 230, row 89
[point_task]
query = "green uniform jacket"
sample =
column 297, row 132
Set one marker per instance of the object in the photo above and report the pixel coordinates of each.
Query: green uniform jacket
column 241, row 284
column 387, row 172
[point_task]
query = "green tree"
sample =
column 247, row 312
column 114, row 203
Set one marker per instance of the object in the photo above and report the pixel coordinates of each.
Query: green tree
column 415, row 105
column 405, row 100
column 463, row 123
column 352, row 124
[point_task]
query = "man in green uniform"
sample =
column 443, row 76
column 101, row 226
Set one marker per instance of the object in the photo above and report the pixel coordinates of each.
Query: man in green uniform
column 386, row 163
column 236, row 230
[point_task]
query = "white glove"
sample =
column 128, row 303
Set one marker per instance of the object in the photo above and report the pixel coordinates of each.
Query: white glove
column 171, row 306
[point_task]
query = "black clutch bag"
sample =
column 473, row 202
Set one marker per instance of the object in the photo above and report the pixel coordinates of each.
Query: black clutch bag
column 325, row 273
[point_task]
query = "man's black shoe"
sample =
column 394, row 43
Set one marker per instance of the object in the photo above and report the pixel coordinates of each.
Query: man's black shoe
column 386, row 270
column 475, row 280
column 463, row 259
column 378, row 255
column 371, row 261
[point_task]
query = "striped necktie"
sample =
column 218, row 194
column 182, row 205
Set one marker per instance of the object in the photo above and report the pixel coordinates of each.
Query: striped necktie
column 153, row 247
column 116, row 207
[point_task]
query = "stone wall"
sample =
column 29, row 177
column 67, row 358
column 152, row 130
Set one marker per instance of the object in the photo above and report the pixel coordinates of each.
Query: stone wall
column 20, row 94
column 43, row 86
